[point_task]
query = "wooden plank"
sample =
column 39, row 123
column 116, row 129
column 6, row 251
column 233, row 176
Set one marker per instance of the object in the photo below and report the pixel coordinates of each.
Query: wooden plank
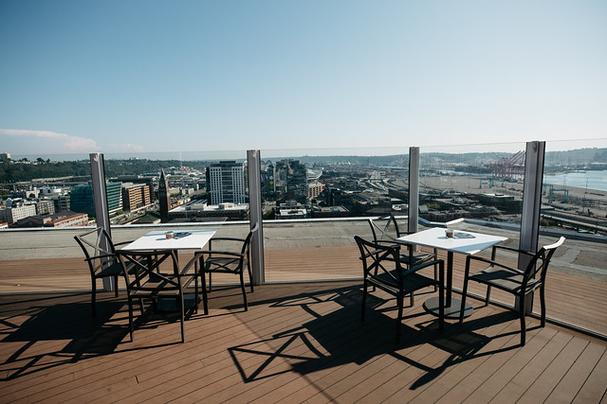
column 554, row 366
column 542, row 387
column 594, row 389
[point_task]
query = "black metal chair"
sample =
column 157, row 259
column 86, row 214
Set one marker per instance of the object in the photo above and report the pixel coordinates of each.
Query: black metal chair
column 100, row 255
column 227, row 262
column 382, row 268
column 388, row 233
column 520, row 283
column 144, row 280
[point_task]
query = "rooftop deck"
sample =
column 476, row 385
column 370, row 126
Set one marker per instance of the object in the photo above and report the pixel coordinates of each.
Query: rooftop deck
column 296, row 343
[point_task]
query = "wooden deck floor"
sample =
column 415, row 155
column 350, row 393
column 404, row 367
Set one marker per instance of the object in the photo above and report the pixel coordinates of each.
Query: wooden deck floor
column 296, row 343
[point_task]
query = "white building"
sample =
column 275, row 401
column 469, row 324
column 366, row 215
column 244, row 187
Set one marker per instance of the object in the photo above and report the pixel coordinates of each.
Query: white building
column 225, row 182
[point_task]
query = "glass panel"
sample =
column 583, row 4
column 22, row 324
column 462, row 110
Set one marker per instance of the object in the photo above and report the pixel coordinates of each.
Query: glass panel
column 575, row 206
column 316, row 200
column 45, row 201
column 477, row 188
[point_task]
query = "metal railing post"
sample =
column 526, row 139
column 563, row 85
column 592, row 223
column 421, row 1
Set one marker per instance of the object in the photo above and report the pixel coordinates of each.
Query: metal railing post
column 413, row 190
column 532, row 201
column 256, row 216
column 102, row 215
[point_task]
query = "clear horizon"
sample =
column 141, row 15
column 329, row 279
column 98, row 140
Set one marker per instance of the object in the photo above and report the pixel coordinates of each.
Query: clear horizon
column 149, row 76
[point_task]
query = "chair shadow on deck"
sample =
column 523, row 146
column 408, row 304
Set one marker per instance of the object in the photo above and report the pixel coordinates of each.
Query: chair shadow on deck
column 85, row 337
column 339, row 338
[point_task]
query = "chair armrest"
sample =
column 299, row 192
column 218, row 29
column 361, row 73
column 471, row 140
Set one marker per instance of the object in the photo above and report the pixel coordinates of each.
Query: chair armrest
column 217, row 252
column 495, row 263
column 423, row 265
column 503, row 247
column 242, row 240
column 100, row 256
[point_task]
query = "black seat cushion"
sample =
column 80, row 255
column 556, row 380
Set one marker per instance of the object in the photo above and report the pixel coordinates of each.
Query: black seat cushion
column 412, row 282
column 502, row 279
column 111, row 270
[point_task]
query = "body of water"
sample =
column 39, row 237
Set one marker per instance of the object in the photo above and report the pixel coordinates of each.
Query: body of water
column 592, row 179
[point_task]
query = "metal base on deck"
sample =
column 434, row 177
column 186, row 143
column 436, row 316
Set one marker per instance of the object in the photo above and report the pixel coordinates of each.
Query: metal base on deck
column 452, row 312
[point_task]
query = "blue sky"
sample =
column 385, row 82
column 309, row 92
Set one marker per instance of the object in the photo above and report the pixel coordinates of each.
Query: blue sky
column 80, row 76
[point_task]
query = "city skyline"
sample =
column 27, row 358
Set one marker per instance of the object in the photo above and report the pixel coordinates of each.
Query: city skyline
column 133, row 77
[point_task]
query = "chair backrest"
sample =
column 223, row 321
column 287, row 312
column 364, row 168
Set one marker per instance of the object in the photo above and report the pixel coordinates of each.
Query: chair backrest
column 379, row 261
column 247, row 243
column 98, row 249
column 139, row 267
column 387, row 231
column 540, row 262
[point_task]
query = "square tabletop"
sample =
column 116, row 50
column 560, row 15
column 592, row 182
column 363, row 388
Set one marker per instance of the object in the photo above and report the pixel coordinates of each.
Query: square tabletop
column 464, row 242
column 182, row 240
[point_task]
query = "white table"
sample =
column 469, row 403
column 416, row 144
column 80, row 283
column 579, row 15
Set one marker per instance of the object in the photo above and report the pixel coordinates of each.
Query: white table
column 183, row 240
column 463, row 242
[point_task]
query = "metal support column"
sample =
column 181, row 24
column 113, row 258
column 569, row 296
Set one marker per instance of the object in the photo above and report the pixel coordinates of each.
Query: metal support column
column 102, row 215
column 413, row 213
column 256, row 216
column 532, row 201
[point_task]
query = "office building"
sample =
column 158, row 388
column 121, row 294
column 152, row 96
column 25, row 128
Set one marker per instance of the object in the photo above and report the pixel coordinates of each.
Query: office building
column 15, row 211
column 81, row 198
column 45, row 207
column 225, row 182
column 290, row 181
column 135, row 196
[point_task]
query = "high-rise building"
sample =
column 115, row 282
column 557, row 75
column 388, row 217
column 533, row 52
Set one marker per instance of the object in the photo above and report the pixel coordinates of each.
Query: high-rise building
column 81, row 198
column 164, row 197
column 225, row 182
column 5, row 157
column 290, row 181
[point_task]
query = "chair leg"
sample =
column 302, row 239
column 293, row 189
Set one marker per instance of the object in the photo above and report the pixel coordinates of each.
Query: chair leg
column 463, row 306
column 196, row 301
column 116, row 286
column 441, row 306
column 244, row 291
column 210, row 282
column 364, row 300
column 94, row 298
column 182, row 317
column 130, row 317
column 523, row 324
column 203, row 288
column 399, row 317
column 250, row 275
column 412, row 299
column 141, row 308
column 435, row 251
column 543, row 305
column 488, row 296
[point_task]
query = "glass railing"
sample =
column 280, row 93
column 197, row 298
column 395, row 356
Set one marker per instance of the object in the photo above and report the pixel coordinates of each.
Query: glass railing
column 316, row 200
column 575, row 206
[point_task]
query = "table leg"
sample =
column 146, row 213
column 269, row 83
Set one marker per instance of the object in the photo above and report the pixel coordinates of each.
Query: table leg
column 452, row 306
column 449, row 278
